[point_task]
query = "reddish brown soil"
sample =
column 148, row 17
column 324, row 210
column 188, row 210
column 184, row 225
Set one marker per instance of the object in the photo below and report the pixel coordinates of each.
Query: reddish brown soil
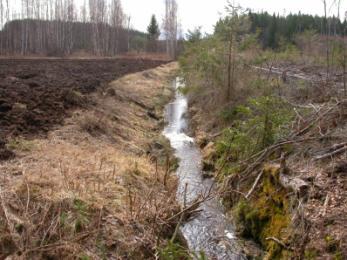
column 37, row 94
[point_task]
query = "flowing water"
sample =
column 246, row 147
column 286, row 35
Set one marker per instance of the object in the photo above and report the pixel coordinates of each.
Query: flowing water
column 209, row 230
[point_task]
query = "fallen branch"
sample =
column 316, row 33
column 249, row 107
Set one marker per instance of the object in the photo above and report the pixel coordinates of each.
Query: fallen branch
column 313, row 122
column 262, row 155
column 326, row 203
column 191, row 208
column 333, row 151
column 61, row 243
column 295, row 184
column 182, row 215
column 279, row 242
column 254, row 185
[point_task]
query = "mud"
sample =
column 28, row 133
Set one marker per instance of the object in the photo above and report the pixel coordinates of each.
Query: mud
column 36, row 95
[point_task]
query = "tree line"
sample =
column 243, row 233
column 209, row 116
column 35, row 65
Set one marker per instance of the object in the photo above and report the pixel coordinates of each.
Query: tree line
column 60, row 27
column 272, row 29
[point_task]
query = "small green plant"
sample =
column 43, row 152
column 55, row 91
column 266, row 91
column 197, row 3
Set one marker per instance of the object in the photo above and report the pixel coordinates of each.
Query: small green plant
column 82, row 218
column 311, row 254
column 64, row 220
column 20, row 144
column 84, row 257
column 332, row 244
column 173, row 251
column 338, row 256
column 102, row 248
column 256, row 125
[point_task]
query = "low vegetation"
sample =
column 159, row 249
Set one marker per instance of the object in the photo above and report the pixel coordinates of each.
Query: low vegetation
column 268, row 132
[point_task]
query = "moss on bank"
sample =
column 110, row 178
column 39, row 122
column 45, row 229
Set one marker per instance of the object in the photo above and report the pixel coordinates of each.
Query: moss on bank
column 266, row 216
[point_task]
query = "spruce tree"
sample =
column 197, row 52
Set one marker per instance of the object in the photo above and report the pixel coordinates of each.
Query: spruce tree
column 153, row 29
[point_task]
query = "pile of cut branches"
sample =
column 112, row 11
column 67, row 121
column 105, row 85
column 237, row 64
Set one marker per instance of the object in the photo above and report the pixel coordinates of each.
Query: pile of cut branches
column 315, row 129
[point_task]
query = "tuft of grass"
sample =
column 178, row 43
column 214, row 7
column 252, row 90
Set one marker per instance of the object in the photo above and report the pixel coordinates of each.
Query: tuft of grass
column 20, row 144
column 93, row 124
column 173, row 251
column 74, row 98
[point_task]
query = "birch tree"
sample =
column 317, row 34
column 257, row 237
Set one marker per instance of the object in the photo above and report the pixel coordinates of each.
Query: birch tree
column 170, row 26
column 1, row 25
column 116, row 21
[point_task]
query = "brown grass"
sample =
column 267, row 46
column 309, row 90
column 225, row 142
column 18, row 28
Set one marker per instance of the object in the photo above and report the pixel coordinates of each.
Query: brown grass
column 93, row 193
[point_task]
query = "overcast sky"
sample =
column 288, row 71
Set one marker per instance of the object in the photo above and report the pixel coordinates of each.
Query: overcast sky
column 205, row 13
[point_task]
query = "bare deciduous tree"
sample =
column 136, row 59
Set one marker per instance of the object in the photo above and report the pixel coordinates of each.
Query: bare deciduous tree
column 170, row 27
column 60, row 27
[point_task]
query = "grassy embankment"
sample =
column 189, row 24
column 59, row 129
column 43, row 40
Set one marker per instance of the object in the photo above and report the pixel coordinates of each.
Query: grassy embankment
column 94, row 188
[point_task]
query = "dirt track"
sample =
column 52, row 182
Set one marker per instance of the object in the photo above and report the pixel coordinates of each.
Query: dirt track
column 37, row 94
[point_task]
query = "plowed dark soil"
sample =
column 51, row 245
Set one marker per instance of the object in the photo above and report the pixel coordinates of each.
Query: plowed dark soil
column 36, row 95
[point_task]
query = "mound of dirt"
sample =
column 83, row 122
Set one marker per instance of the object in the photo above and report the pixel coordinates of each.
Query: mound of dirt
column 36, row 94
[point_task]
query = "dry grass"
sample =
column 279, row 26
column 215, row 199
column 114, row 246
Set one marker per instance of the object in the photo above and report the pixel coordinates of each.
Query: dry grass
column 93, row 124
column 94, row 193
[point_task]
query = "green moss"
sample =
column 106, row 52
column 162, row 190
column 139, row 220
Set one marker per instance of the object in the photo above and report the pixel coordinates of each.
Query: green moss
column 266, row 216
column 332, row 245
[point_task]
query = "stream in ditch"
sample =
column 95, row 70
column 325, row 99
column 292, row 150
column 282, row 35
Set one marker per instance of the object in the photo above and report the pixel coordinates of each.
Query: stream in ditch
column 209, row 230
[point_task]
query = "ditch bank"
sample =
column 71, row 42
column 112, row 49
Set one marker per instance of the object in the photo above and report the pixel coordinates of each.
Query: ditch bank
column 91, row 189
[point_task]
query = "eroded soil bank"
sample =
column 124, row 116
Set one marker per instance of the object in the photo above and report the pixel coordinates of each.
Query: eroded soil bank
column 97, row 186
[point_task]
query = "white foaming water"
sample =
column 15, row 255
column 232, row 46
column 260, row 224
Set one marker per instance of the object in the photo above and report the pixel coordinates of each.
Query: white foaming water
column 209, row 231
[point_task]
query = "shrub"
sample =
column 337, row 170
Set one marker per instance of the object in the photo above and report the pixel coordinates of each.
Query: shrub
column 256, row 125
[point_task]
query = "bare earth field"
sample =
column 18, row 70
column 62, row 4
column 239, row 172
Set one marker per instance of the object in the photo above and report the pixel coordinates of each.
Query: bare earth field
column 37, row 94
column 84, row 183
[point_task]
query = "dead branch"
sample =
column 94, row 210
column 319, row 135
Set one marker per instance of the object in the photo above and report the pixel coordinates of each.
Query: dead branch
column 279, row 242
column 191, row 208
column 326, row 203
column 255, row 184
column 295, row 184
column 333, row 151
column 182, row 215
column 60, row 243
column 314, row 121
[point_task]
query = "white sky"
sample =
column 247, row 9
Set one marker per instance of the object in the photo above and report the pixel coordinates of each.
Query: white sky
column 205, row 13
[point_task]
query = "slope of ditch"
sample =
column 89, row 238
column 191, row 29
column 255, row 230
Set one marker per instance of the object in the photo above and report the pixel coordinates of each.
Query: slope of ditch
column 97, row 186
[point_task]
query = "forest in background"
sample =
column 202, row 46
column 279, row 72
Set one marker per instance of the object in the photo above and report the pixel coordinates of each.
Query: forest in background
column 274, row 29
column 98, row 27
